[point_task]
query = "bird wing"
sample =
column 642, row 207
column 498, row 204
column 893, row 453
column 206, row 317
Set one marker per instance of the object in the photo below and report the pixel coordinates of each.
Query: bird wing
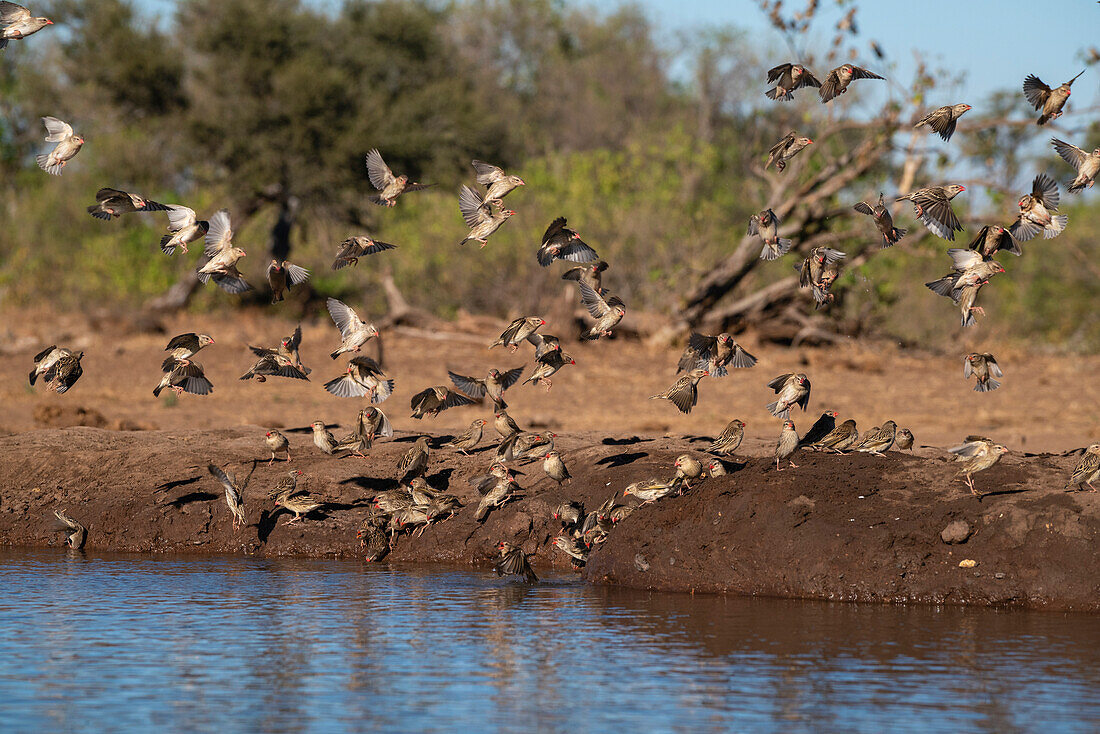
column 578, row 252
column 777, row 71
column 453, row 399
column 227, row 480
column 185, row 341
column 778, row 382
column 385, row 428
column 507, row 379
column 808, row 79
column 295, row 273
column 345, row 386
column 1071, row 154
column 682, row 395
column 58, row 130
column 378, row 172
column 1045, row 190
column 804, row 401
column 861, row 73
column 964, row 259
column 832, row 256
column 11, row 13
column 741, row 358
column 367, row 366
column 994, row 368
column 593, row 301
column 864, row 208
column 192, row 379
column 219, row 236
column 376, row 246
column 754, row 224
column 68, row 521
column 474, row 209
column 343, row 316
column 180, row 217
column 1035, row 91
column 704, row 346
column 472, row 386
column 555, row 227
column 487, row 173
column 940, row 211
column 1024, row 229
column 968, row 369
column 829, row 89
column 295, row 339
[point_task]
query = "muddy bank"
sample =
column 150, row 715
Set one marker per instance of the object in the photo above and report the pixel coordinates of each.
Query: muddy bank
column 838, row 527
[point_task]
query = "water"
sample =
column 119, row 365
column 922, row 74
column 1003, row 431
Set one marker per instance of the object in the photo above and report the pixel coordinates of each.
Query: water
column 114, row 643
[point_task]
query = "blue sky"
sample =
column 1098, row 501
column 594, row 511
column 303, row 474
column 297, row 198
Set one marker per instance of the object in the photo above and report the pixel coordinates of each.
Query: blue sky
column 997, row 42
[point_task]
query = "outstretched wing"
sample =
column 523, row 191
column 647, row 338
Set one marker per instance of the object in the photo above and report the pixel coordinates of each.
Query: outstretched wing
column 343, row 316
column 472, row 386
column 180, row 217
column 1035, row 91
column 58, row 130
column 507, row 379
column 593, row 301
column 219, row 236
column 296, row 274
column 1045, row 190
column 1071, row 154
column 378, row 172
column 474, row 209
column 487, row 173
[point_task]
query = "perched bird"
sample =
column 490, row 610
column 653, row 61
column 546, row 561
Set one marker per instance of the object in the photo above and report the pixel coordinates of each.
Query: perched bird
column 684, row 393
column 821, row 428
column 730, row 438
column 277, row 442
column 904, row 440
column 300, row 504
column 819, row 271
column 561, row 243
column 112, row 203
column 787, row 148
column 570, row 513
column 883, row 220
column 185, row 376
column 373, row 540
column 498, row 183
column 388, row 185
column 590, row 274
column 363, row 378
column 992, row 238
column 16, row 23
column 786, row 445
column 1049, row 101
column 504, row 424
column 68, row 144
column 323, row 438
column 513, row 561
column 233, row 496
column 984, row 367
column 837, row 81
column 977, row 454
column 608, row 313
column 650, row 490
column 523, row 445
column 493, row 385
column 354, row 248
column 1087, row 165
column 787, row 78
column 1035, row 211
column 878, row 441
column 555, row 468
column 572, row 548
column 715, row 468
column 840, row 439
column 1087, row 470
column 185, row 228
column 282, row 275
column 932, row 206
column 415, row 461
column 479, row 216
column 469, row 438
column 273, row 364
column 354, row 332
column 183, row 347
column 432, row 401
column 78, row 534
column 766, row 226
column 792, row 390
column 714, row 353
column 688, row 469
column 497, row 470
column 942, row 121
column 223, row 254
column 498, row 494
column 517, row 331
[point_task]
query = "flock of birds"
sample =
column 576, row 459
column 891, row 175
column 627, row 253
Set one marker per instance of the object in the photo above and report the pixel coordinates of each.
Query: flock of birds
column 414, row 504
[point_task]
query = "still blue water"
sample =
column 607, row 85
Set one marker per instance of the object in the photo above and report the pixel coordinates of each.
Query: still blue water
column 133, row 643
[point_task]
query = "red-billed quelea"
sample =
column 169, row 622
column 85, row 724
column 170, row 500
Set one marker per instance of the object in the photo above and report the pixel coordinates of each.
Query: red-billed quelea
column 590, row 274
column 904, row 440
column 543, row 344
column 498, row 494
column 993, row 238
column 1087, row 165
column 714, row 354
column 514, row 562
column 77, row 533
column 432, row 401
column 559, row 242
column 822, row 427
column 1049, row 101
column 607, row 312
column 282, row 275
column 112, row 203
column 354, row 332
column 504, row 424
column 68, row 145
column 766, row 226
column 468, row 439
column 684, row 393
column 373, row 423
column 388, row 185
column 787, row 148
column 479, row 216
column 730, row 438
column 185, row 376
column 234, row 498
column 498, row 183
column 17, row 23
column 942, row 121
column 1087, row 470
column 787, row 78
column 323, row 438
column 223, row 254
column 837, row 81
column 984, row 367
column 839, row 439
column 715, row 468
column 356, row 247
column 60, row 367
column 184, row 346
column 970, row 269
column 792, row 389
column 492, row 385
column 818, row 272
column 932, row 206
column 1036, row 211
column 415, row 461
column 977, row 454
column 878, row 440
column 555, row 468
column 363, row 378
column 276, row 442
column 185, row 228
column 517, row 331
column 786, row 445
column 883, row 220
column 272, row 364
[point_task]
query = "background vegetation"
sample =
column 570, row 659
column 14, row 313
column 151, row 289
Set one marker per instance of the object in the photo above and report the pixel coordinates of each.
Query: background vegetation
column 651, row 146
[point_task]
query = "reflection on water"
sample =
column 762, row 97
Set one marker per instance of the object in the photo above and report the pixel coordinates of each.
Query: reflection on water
column 234, row 644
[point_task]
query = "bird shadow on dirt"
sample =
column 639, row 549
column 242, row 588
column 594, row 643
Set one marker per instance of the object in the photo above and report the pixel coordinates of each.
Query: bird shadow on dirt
column 267, row 522
column 372, row 484
column 176, row 483
column 732, row 467
column 190, row 497
column 613, row 462
column 309, row 429
column 999, row 492
column 699, row 439
column 624, row 441
column 441, row 479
